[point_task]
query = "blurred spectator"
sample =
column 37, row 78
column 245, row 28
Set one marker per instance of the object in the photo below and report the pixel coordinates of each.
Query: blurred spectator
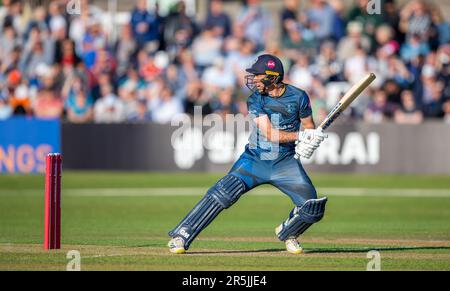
column 93, row 41
column 218, row 76
column 95, row 83
column 131, row 104
column 39, row 21
column 8, row 41
column 154, row 89
column 295, row 41
column 380, row 109
column 339, row 22
column 433, row 107
column 165, row 107
column 295, row 36
column 391, row 18
column 300, row 74
column 176, row 81
column 255, row 23
column 146, row 26
column 15, row 16
column 384, row 38
column 321, row 18
column 179, row 29
column 320, row 112
column 317, row 91
column 238, row 61
column 431, row 98
column 48, row 104
column 11, row 63
column 206, row 48
column 408, row 113
column 415, row 20
column 128, row 93
column 357, row 66
column 397, row 71
column 141, row 114
column 20, row 100
column 413, row 47
column 5, row 109
column 288, row 15
column 348, row 45
column 446, row 109
column 224, row 103
column 13, row 79
column 35, row 52
column 368, row 21
column 104, row 63
column 442, row 27
column 125, row 50
column 4, row 11
column 392, row 90
column 109, row 108
column 388, row 65
column 429, row 85
column 66, row 55
column 187, row 66
column 196, row 98
column 444, row 73
column 146, row 66
column 79, row 24
column 132, row 81
column 327, row 66
column 79, row 105
column 56, row 21
column 218, row 20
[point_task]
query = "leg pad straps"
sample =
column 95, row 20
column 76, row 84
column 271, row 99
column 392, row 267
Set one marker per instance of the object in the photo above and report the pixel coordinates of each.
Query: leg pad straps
column 219, row 197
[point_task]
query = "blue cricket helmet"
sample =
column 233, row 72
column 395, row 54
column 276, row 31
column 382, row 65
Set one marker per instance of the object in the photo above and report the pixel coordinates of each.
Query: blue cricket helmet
column 268, row 65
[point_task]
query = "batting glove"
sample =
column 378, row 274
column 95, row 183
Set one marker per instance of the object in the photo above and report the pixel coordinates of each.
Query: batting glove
column 308, row 141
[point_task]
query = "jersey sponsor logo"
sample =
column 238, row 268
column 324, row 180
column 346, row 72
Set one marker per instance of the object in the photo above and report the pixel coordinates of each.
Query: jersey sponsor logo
column 285, row 127
column 291, row 108
column 271, row 64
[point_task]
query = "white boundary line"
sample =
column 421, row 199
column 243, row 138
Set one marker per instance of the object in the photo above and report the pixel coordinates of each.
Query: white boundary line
column 199, row 191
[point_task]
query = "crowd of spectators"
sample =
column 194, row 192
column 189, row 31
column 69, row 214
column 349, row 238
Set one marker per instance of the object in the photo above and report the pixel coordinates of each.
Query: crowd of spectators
column 57, row 65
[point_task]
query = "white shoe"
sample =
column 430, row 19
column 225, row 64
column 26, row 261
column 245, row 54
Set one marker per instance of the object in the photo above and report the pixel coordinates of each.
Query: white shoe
column 293, row 246
column 176, row 245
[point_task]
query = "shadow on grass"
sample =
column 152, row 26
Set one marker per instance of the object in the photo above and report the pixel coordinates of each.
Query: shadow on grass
column 367, row 249
column 323, row 250
column 236, row 252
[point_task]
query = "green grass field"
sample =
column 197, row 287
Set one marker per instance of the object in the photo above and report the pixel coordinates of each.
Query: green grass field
column 119, row 221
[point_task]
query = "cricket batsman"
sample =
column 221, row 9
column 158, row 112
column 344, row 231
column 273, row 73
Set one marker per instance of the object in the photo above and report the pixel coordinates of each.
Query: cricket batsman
column 284, row 130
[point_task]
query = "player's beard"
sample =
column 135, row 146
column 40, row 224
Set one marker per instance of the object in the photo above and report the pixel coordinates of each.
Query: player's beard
column 262, row 90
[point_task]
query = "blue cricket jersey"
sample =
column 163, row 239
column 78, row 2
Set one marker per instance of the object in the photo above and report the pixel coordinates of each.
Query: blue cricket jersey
column 284, row 113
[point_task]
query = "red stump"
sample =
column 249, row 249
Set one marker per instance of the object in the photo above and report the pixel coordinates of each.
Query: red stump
column 52, row 233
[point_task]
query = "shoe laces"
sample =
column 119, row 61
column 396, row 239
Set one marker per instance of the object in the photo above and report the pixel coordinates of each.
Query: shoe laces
column 177, row 242
column 294, row 242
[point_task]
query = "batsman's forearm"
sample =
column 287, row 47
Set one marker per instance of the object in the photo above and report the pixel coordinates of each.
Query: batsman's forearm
column 308, row 123
column 281, row 136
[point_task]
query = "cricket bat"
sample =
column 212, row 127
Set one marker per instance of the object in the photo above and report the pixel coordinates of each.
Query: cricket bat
column 346, row 100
